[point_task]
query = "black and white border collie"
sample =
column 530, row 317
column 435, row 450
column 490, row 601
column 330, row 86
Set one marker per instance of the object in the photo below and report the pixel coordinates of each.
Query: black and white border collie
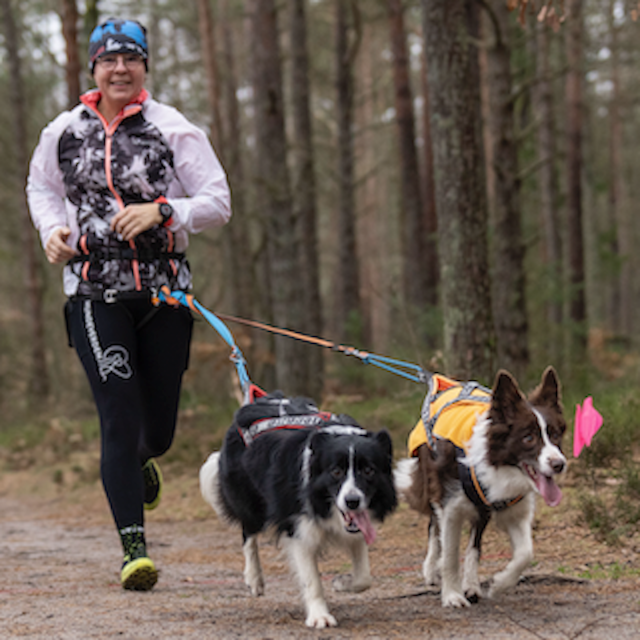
column 314, row 477
column 513, row 454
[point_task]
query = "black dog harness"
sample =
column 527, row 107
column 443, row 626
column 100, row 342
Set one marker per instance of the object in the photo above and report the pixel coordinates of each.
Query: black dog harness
column 274, row 411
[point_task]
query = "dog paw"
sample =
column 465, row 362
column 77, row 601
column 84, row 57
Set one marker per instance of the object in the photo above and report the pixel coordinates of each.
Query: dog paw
column 473, row 596
column 348, row 583
column 454, row 600
column 498, row 584
column 320, row 618
column 432, row 573
column 494, row 590
column 432, row 579
column 256, row 585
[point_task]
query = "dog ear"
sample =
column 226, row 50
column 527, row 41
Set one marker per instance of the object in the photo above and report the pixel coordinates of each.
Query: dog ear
column 315, row 439
column 384, row 440
column 547, row 393
column 506, row 398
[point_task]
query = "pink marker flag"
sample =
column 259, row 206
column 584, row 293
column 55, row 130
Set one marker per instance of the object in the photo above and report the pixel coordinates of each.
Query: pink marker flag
column 585, row 425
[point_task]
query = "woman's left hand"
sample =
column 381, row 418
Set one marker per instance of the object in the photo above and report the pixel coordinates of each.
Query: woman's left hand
column 135, row 219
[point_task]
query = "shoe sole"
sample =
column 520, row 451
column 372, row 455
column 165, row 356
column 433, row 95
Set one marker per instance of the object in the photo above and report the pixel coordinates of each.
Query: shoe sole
column 139, row 575
column 150, row 506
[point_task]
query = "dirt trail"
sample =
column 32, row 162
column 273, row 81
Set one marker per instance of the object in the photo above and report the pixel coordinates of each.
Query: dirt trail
column 60, row 561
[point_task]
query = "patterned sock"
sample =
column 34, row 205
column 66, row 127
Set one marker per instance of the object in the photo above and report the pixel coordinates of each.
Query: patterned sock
column 133, row 542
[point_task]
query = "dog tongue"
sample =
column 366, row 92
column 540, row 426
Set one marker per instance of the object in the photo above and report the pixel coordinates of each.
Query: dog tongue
column 549, row 490
column 361, row 518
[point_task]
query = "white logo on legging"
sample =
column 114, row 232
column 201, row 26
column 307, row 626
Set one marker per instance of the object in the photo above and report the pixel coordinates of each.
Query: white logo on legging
column 114, row 359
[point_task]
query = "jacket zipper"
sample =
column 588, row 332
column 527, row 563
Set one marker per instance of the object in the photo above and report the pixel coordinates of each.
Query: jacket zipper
column 110, row 129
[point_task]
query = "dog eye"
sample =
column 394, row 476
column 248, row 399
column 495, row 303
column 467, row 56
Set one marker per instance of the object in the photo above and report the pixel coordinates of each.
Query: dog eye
column 337, row 473
column 555, row 434
column 368, row 472
column 528, row 439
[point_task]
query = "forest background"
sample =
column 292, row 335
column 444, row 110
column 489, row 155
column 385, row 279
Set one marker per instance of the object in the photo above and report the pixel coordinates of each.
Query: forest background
column 448, row 182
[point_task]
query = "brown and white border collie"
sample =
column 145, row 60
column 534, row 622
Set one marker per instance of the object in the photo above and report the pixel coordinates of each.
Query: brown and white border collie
column 513, row 453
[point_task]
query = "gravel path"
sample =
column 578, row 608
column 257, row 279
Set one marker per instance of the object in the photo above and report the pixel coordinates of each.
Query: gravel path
column 60, row 560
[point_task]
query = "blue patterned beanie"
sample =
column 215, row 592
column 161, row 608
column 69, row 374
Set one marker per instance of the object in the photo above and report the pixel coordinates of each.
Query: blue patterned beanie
column 118, row 36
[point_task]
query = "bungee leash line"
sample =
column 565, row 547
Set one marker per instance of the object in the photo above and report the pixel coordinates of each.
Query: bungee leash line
column 406, row 370
column 175, row 298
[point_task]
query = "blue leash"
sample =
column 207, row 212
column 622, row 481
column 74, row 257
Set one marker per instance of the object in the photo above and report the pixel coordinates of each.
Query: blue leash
column 398, row 367
column 406, row 370
column 173, row 297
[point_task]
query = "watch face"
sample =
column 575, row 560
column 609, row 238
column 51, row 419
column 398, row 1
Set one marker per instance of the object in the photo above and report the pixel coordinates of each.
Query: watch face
column 166, row 211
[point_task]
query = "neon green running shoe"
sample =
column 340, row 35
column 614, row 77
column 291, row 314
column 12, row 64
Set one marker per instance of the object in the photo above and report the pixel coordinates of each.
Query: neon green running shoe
column 139, row 574
column 152, row 484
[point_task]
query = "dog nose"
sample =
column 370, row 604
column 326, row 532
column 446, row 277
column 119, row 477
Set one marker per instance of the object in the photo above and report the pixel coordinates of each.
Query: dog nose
column 557, row 465
column 352, row 502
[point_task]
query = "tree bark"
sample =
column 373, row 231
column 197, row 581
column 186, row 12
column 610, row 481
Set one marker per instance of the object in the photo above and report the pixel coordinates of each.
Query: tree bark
column 240, row 252
column 450, row 29
column 548, row 176
column 618, row 202
column 575, row 242
column 428, row 193
column 509, row 286
column 39, row 383
column 274, row 194
column 377, row 229
column 349, row 305
column 304, row 189
column 208, row 48
column 69, row 17
column 412, row 218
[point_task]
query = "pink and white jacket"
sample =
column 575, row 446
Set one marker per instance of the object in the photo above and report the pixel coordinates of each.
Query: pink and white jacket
column 84, row 170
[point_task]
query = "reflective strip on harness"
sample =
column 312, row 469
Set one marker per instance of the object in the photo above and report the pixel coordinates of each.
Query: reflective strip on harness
column 317, row 421
column 450, row 411
column 285, row 422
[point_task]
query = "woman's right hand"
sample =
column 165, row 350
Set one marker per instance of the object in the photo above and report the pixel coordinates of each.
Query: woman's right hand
column 57, row 250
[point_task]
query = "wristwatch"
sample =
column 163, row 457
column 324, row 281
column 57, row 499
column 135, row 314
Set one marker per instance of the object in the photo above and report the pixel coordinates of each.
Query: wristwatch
column 166, row 211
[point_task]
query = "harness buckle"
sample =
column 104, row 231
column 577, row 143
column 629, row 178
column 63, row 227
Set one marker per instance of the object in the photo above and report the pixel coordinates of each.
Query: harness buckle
column 110, row 296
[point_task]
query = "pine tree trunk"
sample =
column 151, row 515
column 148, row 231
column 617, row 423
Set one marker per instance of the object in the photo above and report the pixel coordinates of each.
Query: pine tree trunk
column 414, row 234
column 575, row 244
column 69, row 17
column 239, row 251
column 548, row 177
column 275, row 196
column 377, row 229
column 509, row 287
column 428, row 194
column 618, row 202
column 349, row 307
column 450, row 31
column 39, row 383
column 208, row 48
column 304, row 190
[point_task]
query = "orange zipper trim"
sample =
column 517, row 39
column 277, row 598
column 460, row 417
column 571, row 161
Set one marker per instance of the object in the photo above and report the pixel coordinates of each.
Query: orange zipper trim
column 110, row 129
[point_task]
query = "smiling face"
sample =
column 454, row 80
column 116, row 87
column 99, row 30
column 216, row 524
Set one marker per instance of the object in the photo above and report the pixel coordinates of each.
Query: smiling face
column 119, row 78
column 528, row 434
column 352, row 473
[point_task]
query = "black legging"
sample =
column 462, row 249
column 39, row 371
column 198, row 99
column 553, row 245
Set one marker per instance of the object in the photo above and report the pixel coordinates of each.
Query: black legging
column 134, row 356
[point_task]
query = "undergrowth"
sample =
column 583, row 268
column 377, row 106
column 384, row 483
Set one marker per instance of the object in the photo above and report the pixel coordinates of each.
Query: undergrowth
column 608, row 470
column 607, row 473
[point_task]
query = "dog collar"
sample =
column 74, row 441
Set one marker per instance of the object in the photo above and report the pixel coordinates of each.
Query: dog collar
column 475, row 491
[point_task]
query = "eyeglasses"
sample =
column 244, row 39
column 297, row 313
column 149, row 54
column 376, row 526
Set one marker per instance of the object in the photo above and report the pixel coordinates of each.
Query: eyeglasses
column 110, row 61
